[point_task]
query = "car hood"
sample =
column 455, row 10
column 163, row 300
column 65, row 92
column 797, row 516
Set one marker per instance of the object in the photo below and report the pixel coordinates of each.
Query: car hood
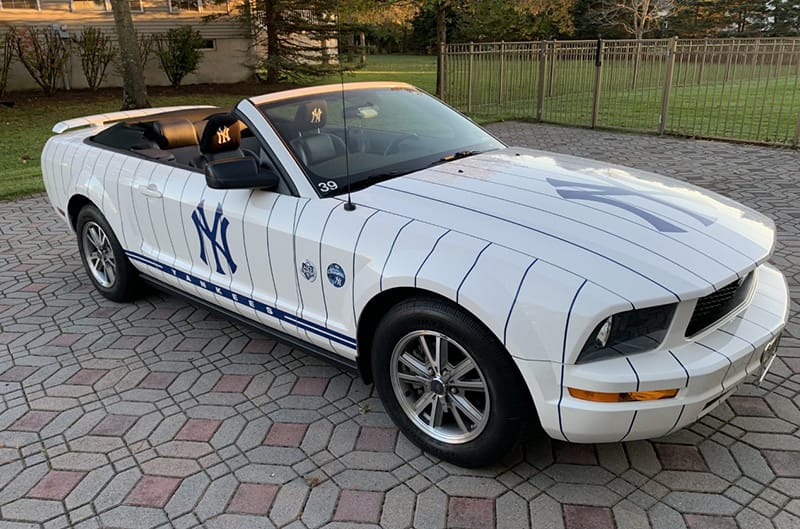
column 646, row 237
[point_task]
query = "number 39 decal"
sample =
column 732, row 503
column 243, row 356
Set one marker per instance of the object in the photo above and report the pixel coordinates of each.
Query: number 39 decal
column 325, row 187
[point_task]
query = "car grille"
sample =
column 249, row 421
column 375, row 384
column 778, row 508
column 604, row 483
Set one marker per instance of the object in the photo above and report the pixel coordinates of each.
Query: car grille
column 715, row 306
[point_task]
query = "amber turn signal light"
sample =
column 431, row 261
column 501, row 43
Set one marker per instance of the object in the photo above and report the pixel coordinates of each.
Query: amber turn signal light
column 630, row 396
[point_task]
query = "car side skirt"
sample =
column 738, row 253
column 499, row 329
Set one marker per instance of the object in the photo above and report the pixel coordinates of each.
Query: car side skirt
column 333, row 358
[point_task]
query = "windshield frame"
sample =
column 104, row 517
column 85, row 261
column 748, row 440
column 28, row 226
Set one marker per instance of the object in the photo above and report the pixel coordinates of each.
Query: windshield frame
column 351, row 180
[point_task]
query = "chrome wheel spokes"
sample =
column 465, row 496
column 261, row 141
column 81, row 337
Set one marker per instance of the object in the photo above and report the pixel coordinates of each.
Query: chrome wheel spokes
column 99, row 254
column 440, row 387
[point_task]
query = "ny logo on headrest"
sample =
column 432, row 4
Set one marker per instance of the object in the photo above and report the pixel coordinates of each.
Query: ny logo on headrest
column 316, row 115
column 223, row 135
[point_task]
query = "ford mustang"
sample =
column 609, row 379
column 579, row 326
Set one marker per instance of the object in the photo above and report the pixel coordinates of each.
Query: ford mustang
column 479, row 286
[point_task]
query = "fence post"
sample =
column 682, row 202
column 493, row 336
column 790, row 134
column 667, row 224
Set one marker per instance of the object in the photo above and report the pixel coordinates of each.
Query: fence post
column 551, row 68
column 598, row 76
column 755, row 59
column 730, row 57
column 662, row 119
column 702, row 62
column 502, row 72
column 540, row 88
column 442, row 72
column 637, row 63
column 469, row 76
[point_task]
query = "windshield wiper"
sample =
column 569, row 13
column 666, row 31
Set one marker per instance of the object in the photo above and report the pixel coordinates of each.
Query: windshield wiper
column 454, row 156
column 458, row 155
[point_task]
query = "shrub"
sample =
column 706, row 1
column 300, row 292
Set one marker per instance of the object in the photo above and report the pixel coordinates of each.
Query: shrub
column 96, row 51
column 6, row 54
column 145, row 45
column 44, row 55
column 178, row 50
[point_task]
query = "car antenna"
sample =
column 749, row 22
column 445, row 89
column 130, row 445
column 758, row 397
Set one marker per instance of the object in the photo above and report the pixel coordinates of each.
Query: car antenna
column 348, row 206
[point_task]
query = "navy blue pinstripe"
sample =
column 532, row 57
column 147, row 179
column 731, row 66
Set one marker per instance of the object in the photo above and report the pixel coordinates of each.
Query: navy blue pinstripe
column 269, row 253
column 630, row 426
column 649, row 210
column 586, row 224
column 241, row 299
column 297, row 216
column 638, row 382
column 321, row 238
column 677, row 419
column 391, row 249
column 353, row 279
column 514, row 302
column 730, row 363
column 475, row 262
column 751, row 344
column 428, row 256
column 536, row 230
column 682, row 367
column 554, row 265
column 564, row 357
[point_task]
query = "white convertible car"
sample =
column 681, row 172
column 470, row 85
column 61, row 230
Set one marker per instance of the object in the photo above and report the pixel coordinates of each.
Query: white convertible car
column 478, row 285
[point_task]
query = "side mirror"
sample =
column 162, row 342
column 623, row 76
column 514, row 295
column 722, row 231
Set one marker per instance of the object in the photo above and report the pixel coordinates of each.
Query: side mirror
column 239, row 173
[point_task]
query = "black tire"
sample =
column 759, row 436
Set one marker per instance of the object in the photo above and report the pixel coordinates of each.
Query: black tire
column 471, row 439
column 103, row 258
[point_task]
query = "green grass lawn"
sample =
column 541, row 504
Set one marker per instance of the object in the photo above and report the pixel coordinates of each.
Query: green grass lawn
column 28, row 124
column 710, row 105
column 750, row 104
column 419, row 70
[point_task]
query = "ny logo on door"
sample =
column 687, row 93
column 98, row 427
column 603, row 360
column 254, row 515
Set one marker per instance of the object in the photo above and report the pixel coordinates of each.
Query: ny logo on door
column 217, row 234
column 609, row 194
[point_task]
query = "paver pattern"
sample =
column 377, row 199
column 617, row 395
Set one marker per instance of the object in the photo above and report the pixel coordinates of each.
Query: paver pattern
column 158, row 414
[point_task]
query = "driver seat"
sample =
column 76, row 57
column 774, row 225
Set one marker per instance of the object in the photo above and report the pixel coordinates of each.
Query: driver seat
column 313, row 146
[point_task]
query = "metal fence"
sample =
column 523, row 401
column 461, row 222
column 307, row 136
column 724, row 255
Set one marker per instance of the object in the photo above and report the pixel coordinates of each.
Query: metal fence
column 739, row 89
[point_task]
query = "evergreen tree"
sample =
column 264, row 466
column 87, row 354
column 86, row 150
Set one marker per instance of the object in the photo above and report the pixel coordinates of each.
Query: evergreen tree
column 297, row 38
column 785, row 15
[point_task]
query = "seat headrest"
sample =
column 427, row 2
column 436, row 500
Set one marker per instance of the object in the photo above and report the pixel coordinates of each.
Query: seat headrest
column 311, row 115
column 172, row 133
column 222, row 134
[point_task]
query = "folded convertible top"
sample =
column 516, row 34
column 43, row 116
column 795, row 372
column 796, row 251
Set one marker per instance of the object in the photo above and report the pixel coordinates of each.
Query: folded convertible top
column 99, row 120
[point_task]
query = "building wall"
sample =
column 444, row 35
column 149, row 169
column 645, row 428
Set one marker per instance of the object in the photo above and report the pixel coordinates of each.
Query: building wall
column 230, row 59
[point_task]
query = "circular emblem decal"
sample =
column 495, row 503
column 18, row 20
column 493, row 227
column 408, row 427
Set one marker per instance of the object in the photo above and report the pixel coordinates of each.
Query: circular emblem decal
column 308, row 270
column 336, row 275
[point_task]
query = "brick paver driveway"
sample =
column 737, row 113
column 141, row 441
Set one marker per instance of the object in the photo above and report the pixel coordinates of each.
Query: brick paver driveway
column 158, row 414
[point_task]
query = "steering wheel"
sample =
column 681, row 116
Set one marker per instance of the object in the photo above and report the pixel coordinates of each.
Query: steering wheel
column 392, row 147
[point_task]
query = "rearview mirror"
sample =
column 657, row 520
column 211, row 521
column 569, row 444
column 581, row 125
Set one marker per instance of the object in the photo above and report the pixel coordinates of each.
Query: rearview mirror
column 239, row 173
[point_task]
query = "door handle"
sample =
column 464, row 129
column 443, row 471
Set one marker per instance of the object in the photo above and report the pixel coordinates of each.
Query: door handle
column 150, row 191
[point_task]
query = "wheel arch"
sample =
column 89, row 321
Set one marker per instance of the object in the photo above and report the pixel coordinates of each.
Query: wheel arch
column 379, row 305
column 74, row 206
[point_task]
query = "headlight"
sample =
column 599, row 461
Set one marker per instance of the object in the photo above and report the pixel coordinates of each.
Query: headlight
column 634, row 331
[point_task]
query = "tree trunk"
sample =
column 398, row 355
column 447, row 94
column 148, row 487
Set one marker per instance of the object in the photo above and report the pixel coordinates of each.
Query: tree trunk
column 273, row 43
column 362, row 43
column 134, row 91
column 441, row 40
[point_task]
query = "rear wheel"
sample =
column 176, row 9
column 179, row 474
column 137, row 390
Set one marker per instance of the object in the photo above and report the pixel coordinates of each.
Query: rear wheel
column 103, row 257
column 447, row 382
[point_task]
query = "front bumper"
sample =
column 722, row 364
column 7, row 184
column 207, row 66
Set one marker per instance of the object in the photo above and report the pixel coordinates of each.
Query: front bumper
column 705, row 371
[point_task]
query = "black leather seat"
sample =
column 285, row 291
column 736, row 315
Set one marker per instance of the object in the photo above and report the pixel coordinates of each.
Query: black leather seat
column 176, row 139
column 313, row 146
column 172, row 133
column 221, row 139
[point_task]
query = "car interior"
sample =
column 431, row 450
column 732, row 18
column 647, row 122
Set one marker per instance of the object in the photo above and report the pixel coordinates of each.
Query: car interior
column 190, row 139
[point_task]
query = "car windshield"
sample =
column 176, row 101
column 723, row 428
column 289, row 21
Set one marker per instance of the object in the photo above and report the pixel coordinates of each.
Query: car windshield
column 390, row 132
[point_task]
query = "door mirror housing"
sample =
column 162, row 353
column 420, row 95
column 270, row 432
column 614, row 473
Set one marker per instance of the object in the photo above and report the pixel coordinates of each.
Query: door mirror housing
column 239, row 173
